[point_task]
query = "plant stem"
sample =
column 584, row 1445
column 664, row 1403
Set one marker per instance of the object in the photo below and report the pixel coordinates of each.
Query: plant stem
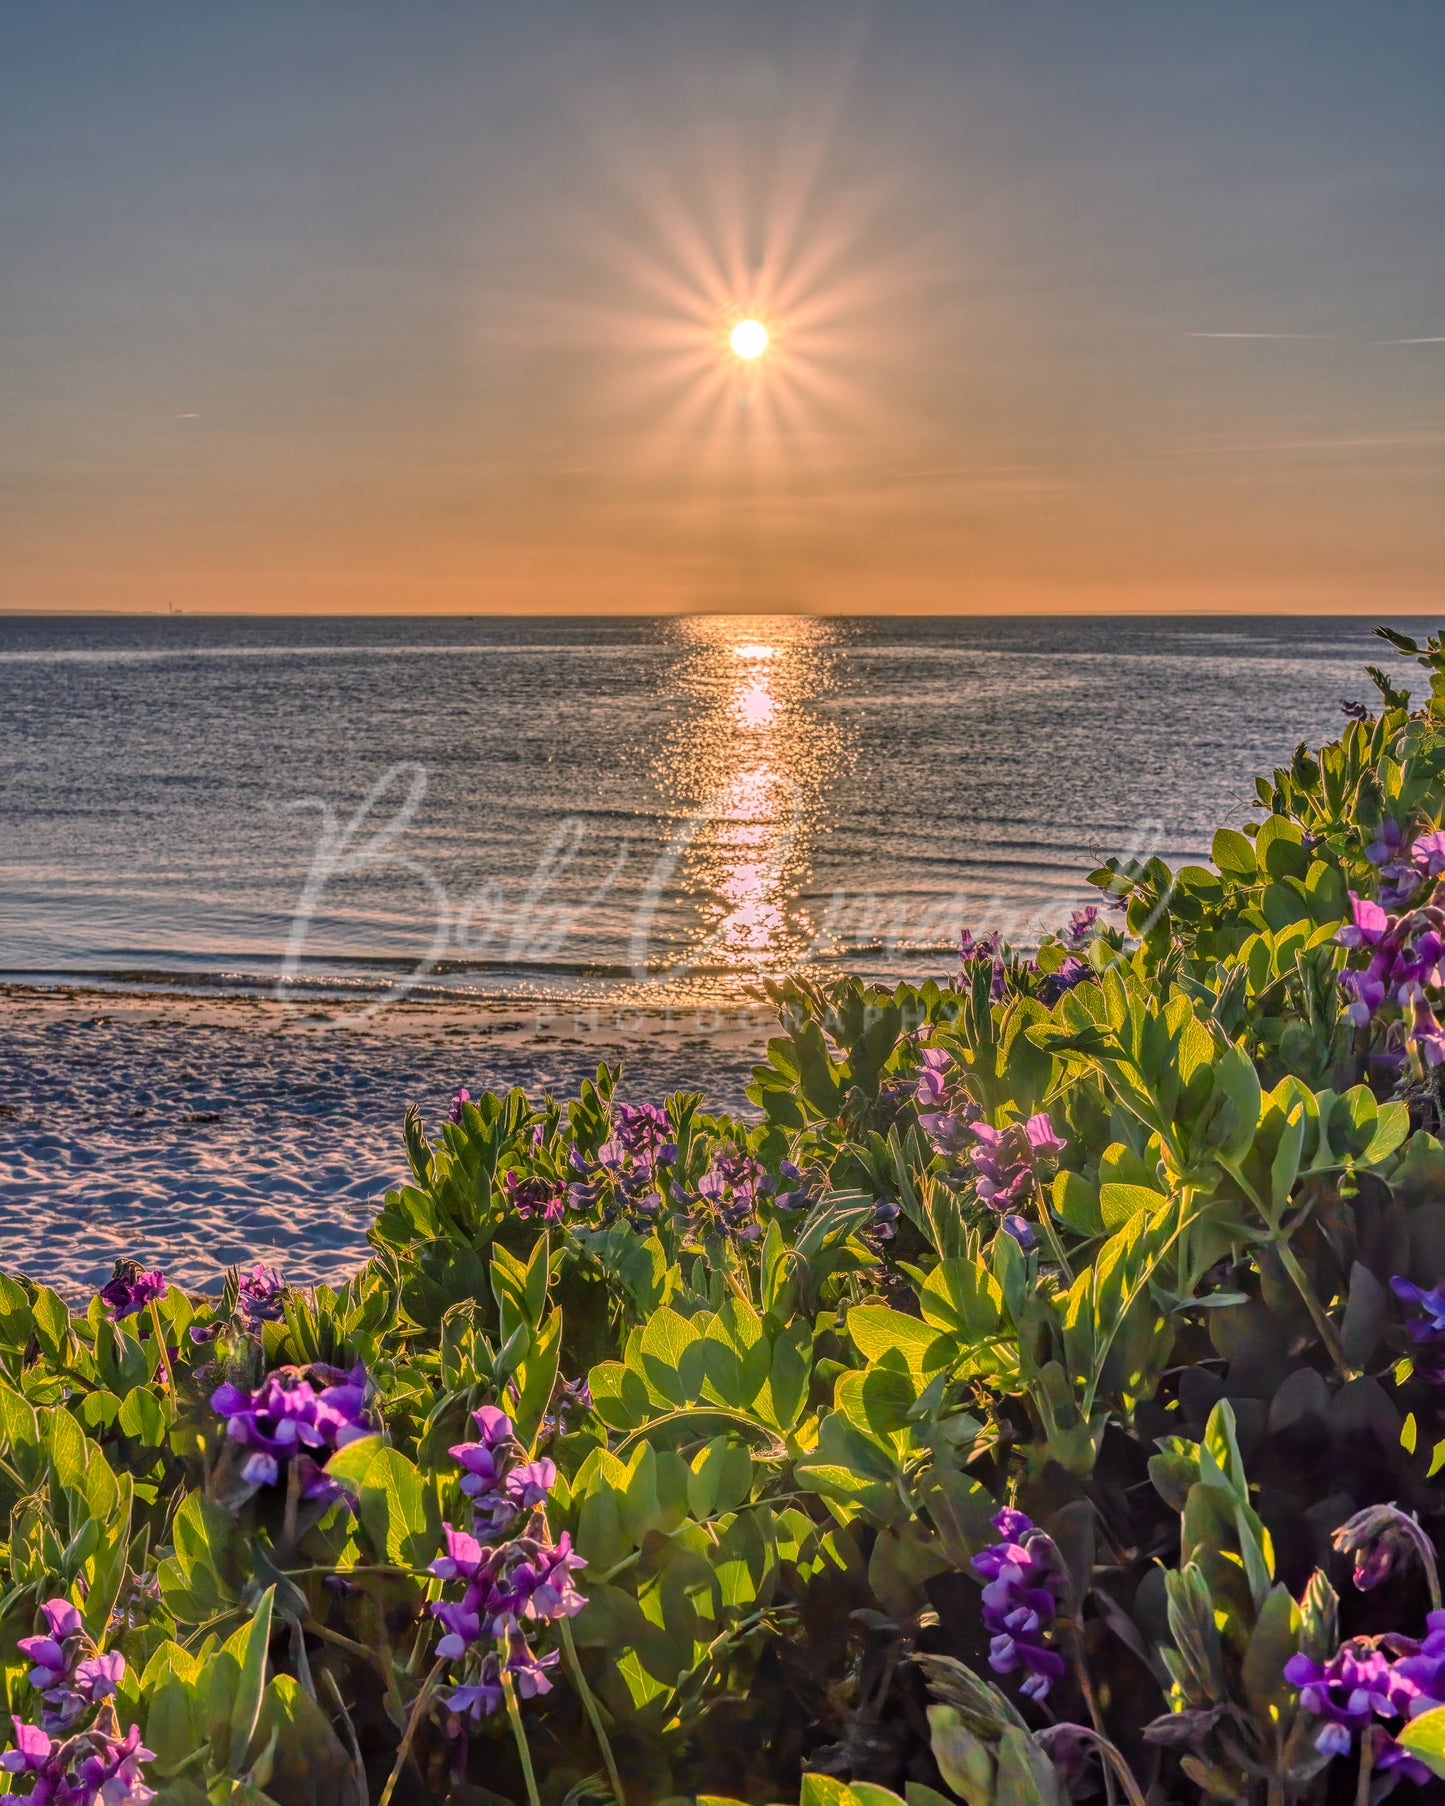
column 161, row 1345
column 1321, row 1317
column 1109, row 1752
column 404, row 1748
column 1055, row 1245
column 514, row 1712
column 593, row 1711
column 1367, row 1767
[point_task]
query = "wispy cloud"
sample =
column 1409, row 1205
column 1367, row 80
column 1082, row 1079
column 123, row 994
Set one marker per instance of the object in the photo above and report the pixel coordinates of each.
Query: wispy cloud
column 1259, row 335
column 1437, row 338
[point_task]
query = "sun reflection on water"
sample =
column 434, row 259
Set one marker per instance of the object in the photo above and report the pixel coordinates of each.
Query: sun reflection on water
column 750, row 764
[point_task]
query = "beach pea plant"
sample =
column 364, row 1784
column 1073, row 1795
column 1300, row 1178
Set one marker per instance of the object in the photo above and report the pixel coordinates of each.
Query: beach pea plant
column 1037, row 1396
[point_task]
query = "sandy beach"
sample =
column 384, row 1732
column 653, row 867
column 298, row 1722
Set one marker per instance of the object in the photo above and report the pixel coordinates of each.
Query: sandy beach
column 195, row 1132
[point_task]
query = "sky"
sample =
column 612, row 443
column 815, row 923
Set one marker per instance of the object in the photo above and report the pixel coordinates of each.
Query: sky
column 372, row 306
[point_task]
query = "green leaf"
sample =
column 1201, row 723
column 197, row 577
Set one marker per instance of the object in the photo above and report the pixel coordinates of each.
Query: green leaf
column 1279, row 848
column 249, row 1648
column 170, row 1726
column 1274, row 1640
column 142, row 1416
column 1233, row 854
column 1076, row 1203
column 962, row 1297
column 1424, row 1737
column 720, row 1479
column 397, row 1509
column 52, row 1322
column 876, row 1331
column 1120, row 1204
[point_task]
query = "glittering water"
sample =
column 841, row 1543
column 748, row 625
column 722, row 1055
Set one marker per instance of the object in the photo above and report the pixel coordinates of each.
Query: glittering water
column 606, row 807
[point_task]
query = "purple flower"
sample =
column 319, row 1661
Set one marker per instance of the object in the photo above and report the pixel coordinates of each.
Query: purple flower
column 287, row 1416
column 1368, row 927
column 1423, row 1664
column 643, row 1132
column 462, row 1620
column 1366, row 991
column 259, row 1295
column 1428, row 853
column 1386, row 844
column 49, row 1662
column 1427, row 1330
column 31, row 1752
column 1427, row 1034
column 131, row 1289
column 92, row 1769
column 930, row 1089
column 1042, row 1137
column 68, row 1680
column 529, row 1485
column 536, row 1196
column 543, row 1586
column 110, row 1771
column 1350, row 1690
column 1018, row 1601
column 1005, row 1163
column 1355, row 710
column 1072, row 971
column 462, row 1097
column 98, row 1676
column 1083, row 925
column 482, row 1697
column 984, row 950
column 1021, row 1230
column 464, row 1558
column 528, row 1671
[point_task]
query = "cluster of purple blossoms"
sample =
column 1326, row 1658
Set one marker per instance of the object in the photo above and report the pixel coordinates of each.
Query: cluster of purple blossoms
column 499, row 1486
column 95, row 1768
column 1356, row 711
column 463, row 1096
column 1427, row 1330
column 1006, row 1164
column 66, row 1669
column 1391, row 1678
column 1404, row 869
column 131, row 1289
column 628, row 1167
column 1360, row 1684
column 1019, row 1601
column 260, row 1298
column 536, row 1196
column 289, row 1417
column 974, row 950
column 260, row 1295
column 1407, row 953
column 1084, row 925
column 945, row 1111
column 511, row 1586
column 1072, row 970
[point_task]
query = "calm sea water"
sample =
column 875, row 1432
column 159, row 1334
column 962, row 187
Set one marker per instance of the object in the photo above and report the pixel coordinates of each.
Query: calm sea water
column 596, row 807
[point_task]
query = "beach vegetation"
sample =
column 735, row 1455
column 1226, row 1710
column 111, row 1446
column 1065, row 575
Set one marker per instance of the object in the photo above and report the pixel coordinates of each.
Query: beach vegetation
column 1039, row 1396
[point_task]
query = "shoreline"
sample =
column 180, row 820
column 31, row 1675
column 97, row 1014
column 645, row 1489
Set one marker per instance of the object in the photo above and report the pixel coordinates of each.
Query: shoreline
column 502, row 1022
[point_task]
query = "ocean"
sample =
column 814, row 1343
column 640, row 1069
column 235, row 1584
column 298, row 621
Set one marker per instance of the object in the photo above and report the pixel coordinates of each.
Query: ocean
column 654, row 810
column 264, row 883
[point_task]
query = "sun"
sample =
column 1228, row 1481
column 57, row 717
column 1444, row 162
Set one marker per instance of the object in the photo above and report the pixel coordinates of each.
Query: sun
column 749, row 338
